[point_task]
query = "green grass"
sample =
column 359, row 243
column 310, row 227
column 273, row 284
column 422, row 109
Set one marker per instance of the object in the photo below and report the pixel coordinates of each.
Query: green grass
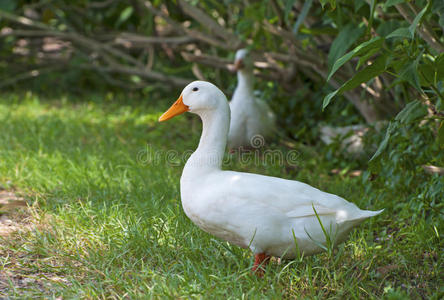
column 110, row 225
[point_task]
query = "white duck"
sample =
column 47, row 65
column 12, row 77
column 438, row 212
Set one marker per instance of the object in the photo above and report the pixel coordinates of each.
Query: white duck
column 250, row 116
column 249, row 210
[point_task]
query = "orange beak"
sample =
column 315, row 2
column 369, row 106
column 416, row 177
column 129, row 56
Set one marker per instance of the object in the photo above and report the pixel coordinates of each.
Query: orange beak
column 238, row 64
column 176, row 109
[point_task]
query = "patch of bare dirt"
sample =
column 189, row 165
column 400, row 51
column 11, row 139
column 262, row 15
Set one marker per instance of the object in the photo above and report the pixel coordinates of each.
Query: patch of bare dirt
column 21, row 272
column 33, row 284
column 9, row 200
column 10, row 219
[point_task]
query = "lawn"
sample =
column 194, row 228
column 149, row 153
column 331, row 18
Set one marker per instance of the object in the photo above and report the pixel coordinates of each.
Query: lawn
column 101, row 178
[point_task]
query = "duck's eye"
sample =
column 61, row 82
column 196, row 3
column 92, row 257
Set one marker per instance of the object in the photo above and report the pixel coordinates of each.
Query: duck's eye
column 195, row 89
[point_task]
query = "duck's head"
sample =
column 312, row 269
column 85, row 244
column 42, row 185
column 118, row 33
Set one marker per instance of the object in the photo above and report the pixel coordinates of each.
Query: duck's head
column 196, row 97
column 242, row 60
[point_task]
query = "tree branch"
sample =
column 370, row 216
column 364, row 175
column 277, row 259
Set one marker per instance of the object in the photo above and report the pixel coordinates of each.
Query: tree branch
column 30, row 74
column 190, row 32
column 103, row 50
column 207, row 22
column 433, row 169
column 424, row 32
column 131, row 40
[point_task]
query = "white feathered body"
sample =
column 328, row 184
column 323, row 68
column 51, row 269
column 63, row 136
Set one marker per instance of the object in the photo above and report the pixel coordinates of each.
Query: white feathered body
column 250, row 116
column 267, row 214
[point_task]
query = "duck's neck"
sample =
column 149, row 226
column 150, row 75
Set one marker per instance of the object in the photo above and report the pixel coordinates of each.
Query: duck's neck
column 210, row 152
column 245, row 85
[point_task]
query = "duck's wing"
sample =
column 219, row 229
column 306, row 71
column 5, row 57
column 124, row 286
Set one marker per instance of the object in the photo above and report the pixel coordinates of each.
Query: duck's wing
column 238, row 130
column 292, row 198
column 263, row 118
column 265, row 110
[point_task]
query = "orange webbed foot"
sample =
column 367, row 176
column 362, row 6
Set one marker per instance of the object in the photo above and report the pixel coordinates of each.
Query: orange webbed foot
column 260, row 261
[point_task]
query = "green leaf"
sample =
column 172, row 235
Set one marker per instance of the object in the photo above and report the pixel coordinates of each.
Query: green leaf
column 372, row 14
column 412, row 111
column 418, row 18
column 439, row 66
column 302, row 16
column 328, row 99
column 384, row 142
column 125, row 15
column 392, row 2
column 358, row 4
column 136, row 79
column 244, row 27
column 403, row 32
column 346, row 37
column 318, row 31
column 361, row 49
column 369, row 72
column 366, row 56
column 426, row 73
column 409, row 73
column 409, row 32
column 332, row 3
column 387, row 27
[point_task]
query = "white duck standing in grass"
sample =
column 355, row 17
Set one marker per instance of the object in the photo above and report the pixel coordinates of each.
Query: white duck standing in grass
column 250, row 116
column 269, row 215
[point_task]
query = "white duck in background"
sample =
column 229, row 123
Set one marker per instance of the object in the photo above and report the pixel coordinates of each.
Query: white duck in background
column 250, row 116
column 265, row 214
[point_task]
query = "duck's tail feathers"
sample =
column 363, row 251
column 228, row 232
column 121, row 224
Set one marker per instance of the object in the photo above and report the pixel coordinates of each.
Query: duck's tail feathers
column 364, row 214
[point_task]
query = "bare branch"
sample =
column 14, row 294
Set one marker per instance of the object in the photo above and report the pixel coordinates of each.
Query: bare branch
column 102, row 50
column 35, row 72
column 366, row 109
column 197, row 72
column 423, row 31
column 131, row 40
column 72, row 36
column 433, row 169
column 206, row 21
column 278, row 11
column 152, row 75
column 289, row 36
column 24, row 21
column 190, row 32
column 208, row 60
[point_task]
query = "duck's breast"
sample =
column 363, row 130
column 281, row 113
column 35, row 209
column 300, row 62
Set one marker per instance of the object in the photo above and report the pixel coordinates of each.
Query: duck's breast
column 207, row 206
